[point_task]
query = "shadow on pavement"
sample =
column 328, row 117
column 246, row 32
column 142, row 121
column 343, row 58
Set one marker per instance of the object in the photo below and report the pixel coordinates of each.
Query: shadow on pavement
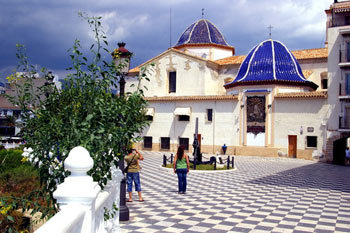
column 317, row 176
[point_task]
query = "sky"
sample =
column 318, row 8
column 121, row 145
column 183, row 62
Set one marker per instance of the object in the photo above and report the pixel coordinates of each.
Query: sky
column 49, row 28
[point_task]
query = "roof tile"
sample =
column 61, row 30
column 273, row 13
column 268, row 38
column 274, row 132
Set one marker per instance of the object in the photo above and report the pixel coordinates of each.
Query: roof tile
column 313, row 94
column 304, row 54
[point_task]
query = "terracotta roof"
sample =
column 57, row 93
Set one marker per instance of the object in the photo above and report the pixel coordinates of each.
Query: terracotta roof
column 6, row 104
column 231, row 60
column 310, row 53
column 192, row 98
column 135, row 70
column 314, row 94
column 341, row 6
column 307, row 73
column 299, row 55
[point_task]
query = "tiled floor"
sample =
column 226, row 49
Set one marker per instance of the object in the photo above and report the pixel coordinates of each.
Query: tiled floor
column 261, row 195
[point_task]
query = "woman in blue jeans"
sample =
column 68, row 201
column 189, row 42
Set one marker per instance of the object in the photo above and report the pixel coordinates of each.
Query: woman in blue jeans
column 181, row 168
column 133, row 173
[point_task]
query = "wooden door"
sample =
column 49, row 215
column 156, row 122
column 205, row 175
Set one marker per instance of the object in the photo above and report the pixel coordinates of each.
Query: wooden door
column 199, row 138
column 292, row 146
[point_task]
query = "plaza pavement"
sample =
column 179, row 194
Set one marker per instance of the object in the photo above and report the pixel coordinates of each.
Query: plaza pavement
column 261, row 195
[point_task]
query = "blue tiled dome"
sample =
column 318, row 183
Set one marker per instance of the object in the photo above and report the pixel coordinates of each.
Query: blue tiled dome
column 201, row 32
column 2, row 84
column 270, row 62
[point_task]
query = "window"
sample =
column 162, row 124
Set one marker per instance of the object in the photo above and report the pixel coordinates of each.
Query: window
column 149, row 117
column 184, row 142
column 172, row 82
column 165, row 143
column 147, row 142
column 184, row 118
column 347, row 20
column 209, row 114
column 311, row 141
column 324, row 83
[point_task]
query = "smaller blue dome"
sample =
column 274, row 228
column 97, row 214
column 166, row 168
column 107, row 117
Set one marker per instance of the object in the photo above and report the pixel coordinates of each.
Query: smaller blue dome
column 2, row 84
column 270, row 62
column 201, row 32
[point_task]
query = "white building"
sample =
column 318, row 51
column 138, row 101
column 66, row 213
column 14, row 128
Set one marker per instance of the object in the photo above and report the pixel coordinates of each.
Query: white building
column 338, row 43
column 270, row 102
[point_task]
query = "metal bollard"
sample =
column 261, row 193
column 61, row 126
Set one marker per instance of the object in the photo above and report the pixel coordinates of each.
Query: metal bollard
column 215, row 164
column 228, row 162
column 164, row 160
column 233, row 162
column 171, row 159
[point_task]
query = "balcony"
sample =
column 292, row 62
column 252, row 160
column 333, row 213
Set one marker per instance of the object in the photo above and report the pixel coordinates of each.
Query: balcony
column 344, row 58
column 344, row 123
column 344, row 31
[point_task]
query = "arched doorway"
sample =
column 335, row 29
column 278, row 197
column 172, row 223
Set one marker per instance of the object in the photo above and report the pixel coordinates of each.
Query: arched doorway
column 339, row 147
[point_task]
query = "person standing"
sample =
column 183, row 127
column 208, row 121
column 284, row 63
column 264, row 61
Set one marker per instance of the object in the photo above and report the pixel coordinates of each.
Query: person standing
column 224, row 148
column 347, row 156
column 181, row 168
column 133, row 173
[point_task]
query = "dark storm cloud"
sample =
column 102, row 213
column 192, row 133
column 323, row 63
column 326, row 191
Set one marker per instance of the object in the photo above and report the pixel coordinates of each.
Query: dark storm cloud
column 49, row 28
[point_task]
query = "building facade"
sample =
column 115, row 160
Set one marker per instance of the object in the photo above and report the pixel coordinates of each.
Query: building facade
column 338, row 43
column 270, row 102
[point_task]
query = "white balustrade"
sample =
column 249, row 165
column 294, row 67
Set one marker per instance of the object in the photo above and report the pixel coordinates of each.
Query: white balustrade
column 82, row 203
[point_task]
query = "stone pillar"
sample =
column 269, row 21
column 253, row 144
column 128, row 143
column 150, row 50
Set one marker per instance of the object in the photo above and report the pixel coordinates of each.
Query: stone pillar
column 79, row 189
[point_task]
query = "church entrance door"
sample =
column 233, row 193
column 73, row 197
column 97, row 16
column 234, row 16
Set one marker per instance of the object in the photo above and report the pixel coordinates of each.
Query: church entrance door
column 292, row 146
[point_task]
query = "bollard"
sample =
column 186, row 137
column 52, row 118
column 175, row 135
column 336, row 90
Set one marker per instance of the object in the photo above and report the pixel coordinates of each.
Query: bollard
column 233, row 162
column 215, row 164
column 228, row 162
column 164, row 160
column 171, row 159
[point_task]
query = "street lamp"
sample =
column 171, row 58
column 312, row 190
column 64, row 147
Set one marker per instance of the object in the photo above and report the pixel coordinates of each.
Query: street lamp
column 121, row 57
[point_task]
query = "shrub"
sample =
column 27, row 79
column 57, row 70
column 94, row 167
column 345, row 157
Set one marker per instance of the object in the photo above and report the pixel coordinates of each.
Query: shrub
column 10, row 159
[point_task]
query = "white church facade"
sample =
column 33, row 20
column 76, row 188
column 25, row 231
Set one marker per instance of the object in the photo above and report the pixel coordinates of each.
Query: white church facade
column 270, row 102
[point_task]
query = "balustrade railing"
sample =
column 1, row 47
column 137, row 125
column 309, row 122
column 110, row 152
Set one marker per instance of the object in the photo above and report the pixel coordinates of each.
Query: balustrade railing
column 82, row 203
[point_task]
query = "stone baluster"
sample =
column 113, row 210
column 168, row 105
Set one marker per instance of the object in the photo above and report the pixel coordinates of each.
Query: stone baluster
column 79, row 189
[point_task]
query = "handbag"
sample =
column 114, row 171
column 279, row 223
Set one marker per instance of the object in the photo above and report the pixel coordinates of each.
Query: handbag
column 127, row 166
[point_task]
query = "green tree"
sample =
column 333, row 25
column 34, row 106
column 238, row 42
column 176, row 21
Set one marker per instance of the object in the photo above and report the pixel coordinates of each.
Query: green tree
column 84, row 112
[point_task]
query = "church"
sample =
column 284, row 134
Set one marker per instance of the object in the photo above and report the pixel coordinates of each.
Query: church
column 269, row 102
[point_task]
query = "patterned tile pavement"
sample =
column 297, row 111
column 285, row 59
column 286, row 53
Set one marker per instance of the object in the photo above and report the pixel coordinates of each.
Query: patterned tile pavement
column 261, row 195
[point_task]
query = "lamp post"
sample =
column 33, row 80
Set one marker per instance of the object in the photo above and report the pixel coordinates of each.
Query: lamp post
column 121, row 58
